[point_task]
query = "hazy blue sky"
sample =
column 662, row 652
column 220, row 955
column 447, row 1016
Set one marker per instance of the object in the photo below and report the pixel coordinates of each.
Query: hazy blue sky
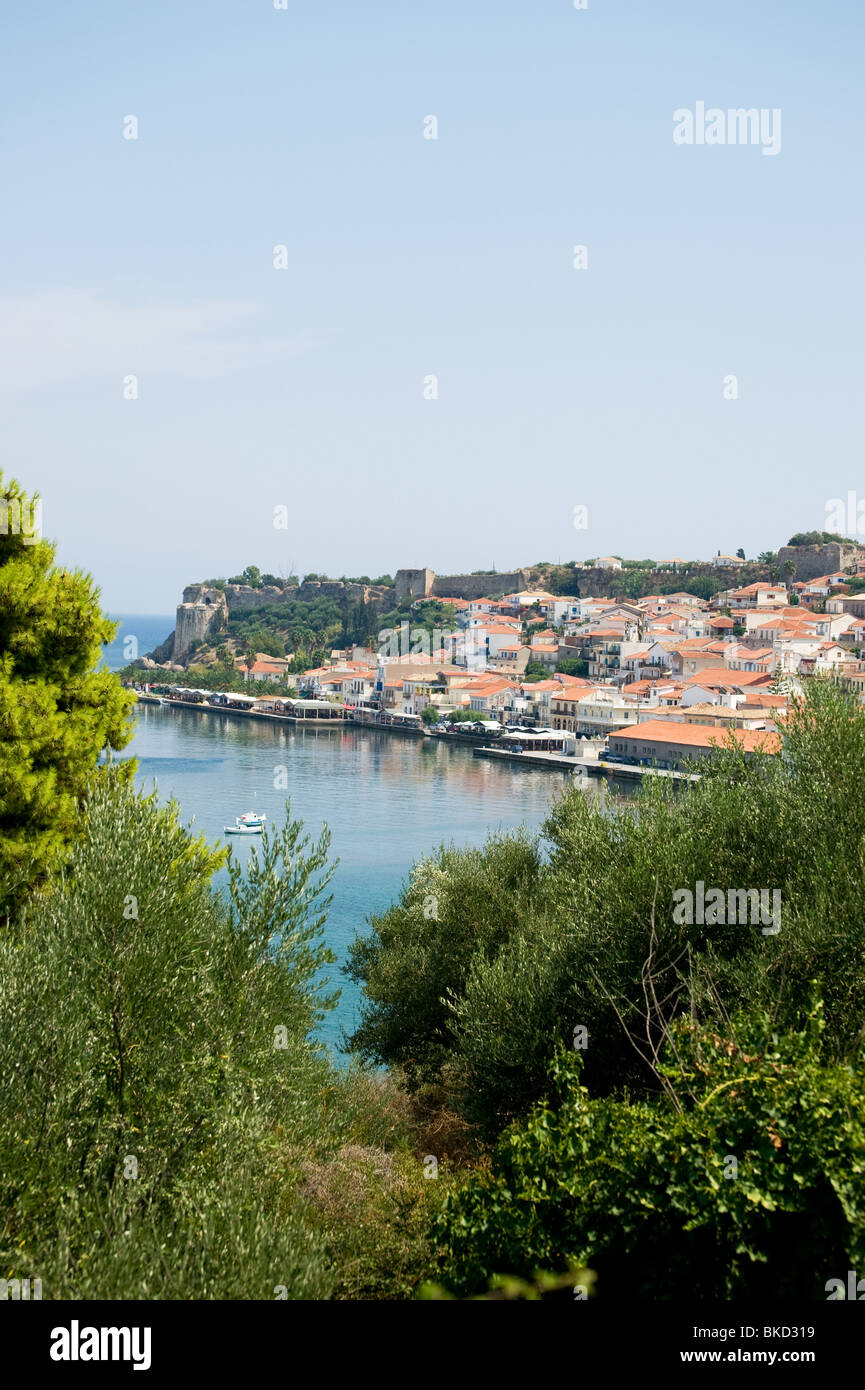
column 407, row 257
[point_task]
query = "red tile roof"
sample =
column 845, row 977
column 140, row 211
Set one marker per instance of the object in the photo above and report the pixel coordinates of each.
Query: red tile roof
column 700, row 735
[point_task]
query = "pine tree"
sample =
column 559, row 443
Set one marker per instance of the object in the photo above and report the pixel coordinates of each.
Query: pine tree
column 58, row 714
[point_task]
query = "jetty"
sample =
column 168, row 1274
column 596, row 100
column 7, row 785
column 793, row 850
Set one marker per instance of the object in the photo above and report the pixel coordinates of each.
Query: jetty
column 592, row 767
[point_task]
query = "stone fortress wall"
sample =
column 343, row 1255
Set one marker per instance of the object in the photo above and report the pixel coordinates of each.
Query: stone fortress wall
column 425, row 583
column 812, row 561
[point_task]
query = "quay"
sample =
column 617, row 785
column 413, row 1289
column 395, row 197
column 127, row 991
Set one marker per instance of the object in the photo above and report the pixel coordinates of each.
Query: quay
column 312, row 719
column 597, row 767
column 323, row 714
column 308, row 714
column 553, row 762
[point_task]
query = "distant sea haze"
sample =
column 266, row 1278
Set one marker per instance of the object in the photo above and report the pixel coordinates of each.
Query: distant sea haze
column 148, row 629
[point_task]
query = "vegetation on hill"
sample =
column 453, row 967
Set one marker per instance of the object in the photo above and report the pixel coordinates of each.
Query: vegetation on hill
column 427, row 619
column 573, row 666
column 304, row 630
column 638, row 578
column 819, row 538
column 253, row 577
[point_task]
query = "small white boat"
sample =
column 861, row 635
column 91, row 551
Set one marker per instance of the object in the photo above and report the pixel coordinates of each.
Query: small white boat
column 250, row 824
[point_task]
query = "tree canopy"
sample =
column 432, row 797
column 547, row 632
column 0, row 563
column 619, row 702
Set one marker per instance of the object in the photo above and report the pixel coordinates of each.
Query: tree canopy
column 58, row 712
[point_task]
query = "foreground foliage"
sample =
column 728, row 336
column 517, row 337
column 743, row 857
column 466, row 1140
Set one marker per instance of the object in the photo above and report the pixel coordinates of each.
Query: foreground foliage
column 162, row 1106
column 747, row 1181
column 57, row 713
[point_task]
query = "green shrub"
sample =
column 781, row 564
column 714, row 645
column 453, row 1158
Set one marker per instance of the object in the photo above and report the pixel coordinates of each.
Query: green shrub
column 455, row 904
column 159, row 1092
column 745, row 1181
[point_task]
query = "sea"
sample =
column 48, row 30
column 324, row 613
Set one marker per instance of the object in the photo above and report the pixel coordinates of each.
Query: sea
column 137, row 634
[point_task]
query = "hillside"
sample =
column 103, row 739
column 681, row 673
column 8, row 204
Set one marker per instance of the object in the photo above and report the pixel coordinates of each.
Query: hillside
column 259, row 612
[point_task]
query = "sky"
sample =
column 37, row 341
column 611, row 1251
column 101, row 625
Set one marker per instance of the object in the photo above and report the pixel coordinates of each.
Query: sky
column 427, row 373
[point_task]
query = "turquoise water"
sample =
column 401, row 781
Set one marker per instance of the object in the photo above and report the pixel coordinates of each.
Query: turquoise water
column 387, row 800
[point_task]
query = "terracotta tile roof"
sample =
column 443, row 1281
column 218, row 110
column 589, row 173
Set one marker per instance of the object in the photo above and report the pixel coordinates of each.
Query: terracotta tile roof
column 725, row 676
column 700, row 735
column 761, row 588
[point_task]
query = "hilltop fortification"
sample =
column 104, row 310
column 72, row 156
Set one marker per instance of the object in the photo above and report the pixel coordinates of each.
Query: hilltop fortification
column 204, row 609
column 812, row 561
column 425, row 583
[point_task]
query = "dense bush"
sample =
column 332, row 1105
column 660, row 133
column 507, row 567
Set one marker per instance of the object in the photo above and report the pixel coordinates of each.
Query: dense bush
column 818, row 538
column 456, row 905
column 295, row 625
column 745, row 1181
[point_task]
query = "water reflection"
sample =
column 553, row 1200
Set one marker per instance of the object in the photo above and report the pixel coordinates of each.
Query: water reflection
column 387, row 799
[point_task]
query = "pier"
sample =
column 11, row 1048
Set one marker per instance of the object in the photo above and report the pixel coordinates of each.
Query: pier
column 593, row 767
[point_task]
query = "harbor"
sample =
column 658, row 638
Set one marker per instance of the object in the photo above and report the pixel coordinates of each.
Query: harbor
column 387, row 801
column 527, row 749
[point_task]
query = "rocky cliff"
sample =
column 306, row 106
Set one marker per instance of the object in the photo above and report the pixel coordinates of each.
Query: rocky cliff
column 204, row 609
